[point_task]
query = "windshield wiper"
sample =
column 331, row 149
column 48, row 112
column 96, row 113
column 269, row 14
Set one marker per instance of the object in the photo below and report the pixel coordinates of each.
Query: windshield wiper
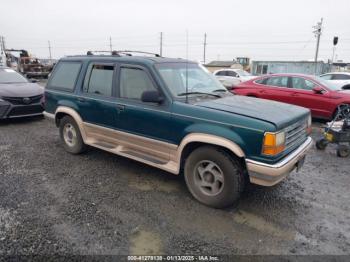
column 198, row 93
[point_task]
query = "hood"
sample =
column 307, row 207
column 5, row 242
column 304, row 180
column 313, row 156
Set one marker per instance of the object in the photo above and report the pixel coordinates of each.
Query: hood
column 345, row 91
column 279, row 114
column 20, row 90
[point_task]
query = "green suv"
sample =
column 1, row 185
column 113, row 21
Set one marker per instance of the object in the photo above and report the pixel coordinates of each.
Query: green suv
column 174, row 115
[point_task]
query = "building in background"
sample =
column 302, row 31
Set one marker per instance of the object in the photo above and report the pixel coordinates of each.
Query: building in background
column 277, row 67
column 217, row 65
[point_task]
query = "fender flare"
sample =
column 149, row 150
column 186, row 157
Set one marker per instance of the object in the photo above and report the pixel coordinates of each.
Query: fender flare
column 208, row 139
column 74, row 114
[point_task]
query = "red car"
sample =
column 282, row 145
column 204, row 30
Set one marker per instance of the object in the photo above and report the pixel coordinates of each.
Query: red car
column 320, row 96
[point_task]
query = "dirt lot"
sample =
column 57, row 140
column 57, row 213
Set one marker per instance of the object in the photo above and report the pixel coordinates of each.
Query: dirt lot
column 99, row 203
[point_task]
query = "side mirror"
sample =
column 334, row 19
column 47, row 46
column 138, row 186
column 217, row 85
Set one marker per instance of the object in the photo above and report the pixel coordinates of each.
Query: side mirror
column 318, row 90
column 152, row 96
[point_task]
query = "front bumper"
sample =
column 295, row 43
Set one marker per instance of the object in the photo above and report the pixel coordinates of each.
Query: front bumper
column 268, row 175
column 8, row 110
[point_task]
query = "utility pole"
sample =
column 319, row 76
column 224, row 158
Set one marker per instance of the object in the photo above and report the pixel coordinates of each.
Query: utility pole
column 50, row 51
column 110, row 44
column 204, row 47
column 317, row 32
column 161, row 44
column 2, row 51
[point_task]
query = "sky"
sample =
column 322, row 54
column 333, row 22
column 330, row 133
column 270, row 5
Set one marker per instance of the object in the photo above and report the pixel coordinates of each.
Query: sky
column 261, row 30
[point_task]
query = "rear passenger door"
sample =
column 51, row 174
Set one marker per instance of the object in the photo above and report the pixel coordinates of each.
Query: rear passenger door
column 96, row 104
column 149, row 120
column 276, row 88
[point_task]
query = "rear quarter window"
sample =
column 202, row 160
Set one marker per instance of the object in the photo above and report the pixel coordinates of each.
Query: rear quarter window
column 65, row 76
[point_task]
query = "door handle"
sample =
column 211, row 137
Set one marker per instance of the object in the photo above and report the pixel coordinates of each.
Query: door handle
column 120, row 107
column 295, row 94
column 81, row 99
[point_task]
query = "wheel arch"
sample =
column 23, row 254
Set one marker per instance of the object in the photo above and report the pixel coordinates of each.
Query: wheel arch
column 62, row 111
column 193, row 141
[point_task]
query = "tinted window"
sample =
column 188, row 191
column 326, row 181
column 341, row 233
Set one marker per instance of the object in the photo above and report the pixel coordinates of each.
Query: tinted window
column 277, row 81
column 340, row 77
column 99, row 80
column 231, row 73
column 261, row 81
column 221, row 73
column 133, row 82
column 326, row 77
column 65, row 75
column 302, row 83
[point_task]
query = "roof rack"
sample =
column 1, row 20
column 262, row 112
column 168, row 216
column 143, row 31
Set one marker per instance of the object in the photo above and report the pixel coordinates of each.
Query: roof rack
column 124, row 52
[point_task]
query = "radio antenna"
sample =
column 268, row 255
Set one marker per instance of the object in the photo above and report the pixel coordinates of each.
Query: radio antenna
column 186, row 66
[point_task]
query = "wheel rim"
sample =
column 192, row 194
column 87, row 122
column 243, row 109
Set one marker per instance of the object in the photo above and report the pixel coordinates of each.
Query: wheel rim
column 69, row 135
column 209, row 178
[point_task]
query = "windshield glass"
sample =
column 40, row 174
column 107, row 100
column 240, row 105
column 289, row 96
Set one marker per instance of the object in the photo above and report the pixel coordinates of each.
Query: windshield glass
column 11, row 76
column 242, row 72
column 198, row 78
column 328, row 84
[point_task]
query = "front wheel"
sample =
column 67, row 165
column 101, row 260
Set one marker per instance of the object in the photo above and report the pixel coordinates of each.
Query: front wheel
column 214, row 177
column 321, row 144
column 71, row 136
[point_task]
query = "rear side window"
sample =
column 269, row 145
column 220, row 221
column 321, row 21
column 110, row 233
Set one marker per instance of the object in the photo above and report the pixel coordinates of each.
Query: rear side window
column 65, row 75
column 277, row 81
column 99, row 79
column 340, row 77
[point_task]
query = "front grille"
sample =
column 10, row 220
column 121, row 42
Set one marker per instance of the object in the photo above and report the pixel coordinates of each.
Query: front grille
column 26, row 110
column 296, row 134
column 20, row 100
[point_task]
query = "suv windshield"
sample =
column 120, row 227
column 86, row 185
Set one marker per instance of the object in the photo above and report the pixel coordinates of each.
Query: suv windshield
column 11, row 76
column 198, row 79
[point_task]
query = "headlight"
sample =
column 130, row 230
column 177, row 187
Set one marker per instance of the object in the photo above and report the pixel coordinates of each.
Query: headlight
column 309, row 125
column 274, row 143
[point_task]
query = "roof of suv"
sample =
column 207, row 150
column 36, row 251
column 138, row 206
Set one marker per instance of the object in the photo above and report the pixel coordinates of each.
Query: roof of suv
column 142, row 59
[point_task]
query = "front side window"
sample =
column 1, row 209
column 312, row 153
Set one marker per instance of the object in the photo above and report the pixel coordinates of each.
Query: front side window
column 302, row 83
column 277, row 81
column 99, row 80
column 133, row 82
column 65, row 75
column 181, row 78
column 232, row 73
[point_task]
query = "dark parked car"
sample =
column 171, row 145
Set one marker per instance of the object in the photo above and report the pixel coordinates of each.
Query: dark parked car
column 18, row 96
column 174, row 115
column 315, row 93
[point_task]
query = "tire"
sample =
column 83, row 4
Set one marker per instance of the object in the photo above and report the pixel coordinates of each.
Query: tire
column 343, row 151
column 221, row 180
column 71, row 136
column 341, row 116
column 321, row 144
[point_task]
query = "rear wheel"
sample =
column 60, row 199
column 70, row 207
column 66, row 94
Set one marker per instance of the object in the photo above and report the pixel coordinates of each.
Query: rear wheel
column 214, row 177
column 343, row 151
column 71, row 136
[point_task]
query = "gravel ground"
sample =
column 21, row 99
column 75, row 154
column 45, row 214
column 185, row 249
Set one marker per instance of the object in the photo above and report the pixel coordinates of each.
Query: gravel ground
column 99, row 203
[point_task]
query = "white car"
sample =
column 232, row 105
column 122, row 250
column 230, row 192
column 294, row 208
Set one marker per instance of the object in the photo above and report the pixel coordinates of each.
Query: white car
column 232, row 77
column 341, row 79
